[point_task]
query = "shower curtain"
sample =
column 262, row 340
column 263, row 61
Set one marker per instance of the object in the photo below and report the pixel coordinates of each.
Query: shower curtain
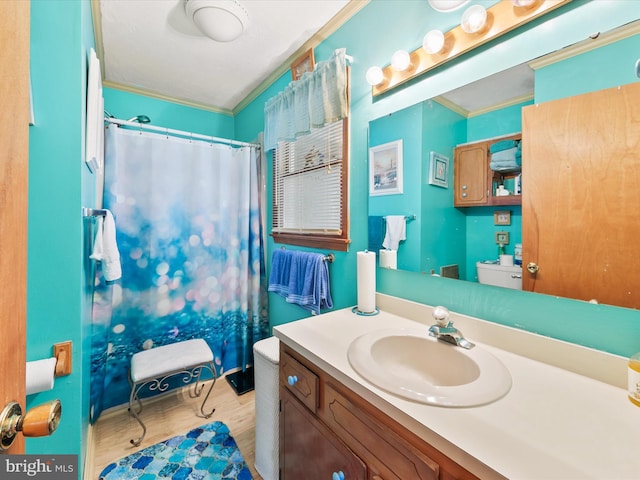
column 190, row 238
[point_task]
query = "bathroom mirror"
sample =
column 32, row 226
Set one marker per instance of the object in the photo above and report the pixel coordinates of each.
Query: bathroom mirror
column 448, row 241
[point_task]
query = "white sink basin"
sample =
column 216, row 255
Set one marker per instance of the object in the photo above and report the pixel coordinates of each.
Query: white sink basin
column 411, row 364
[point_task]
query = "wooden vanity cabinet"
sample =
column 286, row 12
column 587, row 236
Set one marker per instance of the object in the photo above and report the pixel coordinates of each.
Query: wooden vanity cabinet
column 344, row 433
column 474, row 181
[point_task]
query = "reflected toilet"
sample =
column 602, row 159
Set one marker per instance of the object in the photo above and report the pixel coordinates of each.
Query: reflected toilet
column 490, row 273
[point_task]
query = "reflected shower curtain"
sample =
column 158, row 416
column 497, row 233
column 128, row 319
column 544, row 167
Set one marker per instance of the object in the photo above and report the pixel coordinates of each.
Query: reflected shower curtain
column 190, row 239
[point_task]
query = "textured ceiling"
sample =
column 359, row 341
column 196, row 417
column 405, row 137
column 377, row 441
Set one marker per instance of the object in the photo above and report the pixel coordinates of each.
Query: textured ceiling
column 151, row 46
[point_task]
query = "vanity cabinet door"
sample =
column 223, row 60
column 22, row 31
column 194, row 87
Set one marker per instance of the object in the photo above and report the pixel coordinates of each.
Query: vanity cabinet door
column 308, row 449
column 470, row 166
column 299, row 380
column 387, row 455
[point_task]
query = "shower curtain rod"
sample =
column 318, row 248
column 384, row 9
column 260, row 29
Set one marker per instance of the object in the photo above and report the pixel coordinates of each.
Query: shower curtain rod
column 180, row 133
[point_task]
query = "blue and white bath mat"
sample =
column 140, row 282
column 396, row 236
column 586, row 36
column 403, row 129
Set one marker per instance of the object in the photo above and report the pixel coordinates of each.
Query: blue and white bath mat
column 208, row 452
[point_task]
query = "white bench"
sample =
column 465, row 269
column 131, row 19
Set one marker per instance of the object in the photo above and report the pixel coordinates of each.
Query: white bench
column 152, row 369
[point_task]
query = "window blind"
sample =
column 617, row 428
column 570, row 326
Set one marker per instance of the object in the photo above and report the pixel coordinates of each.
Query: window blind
column 308, row 183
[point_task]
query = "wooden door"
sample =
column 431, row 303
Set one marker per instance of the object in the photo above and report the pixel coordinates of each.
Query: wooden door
column 14, row 152
column 470, row 175
column 581, row 196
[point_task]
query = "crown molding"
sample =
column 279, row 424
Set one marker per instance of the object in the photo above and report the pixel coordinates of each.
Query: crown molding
column 591, row 43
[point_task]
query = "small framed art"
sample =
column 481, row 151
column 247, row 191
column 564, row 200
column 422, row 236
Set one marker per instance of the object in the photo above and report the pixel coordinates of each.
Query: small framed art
column 439, row 170
column 385, row 169
column 502, row 237
column 303, row 64
column 502, row 217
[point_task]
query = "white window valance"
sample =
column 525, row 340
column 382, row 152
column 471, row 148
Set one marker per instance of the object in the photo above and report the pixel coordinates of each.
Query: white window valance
column 317, row 98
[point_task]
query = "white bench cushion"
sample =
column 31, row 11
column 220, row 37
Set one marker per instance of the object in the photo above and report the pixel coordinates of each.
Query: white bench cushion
column 160, row 361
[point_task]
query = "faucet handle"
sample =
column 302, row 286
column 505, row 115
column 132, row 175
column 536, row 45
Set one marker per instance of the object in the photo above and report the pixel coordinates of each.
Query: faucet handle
column 441, row 316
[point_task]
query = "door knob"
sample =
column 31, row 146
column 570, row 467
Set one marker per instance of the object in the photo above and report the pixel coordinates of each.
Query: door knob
column 40, row 421
column 532, row 267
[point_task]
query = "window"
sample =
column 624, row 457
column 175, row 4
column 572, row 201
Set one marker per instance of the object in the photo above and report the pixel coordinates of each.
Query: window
column 310, row 206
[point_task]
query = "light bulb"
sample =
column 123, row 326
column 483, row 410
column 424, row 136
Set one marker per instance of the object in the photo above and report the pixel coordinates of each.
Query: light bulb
column 433, row 41
column 400, row 60
column 375, row 76
column 473, row 19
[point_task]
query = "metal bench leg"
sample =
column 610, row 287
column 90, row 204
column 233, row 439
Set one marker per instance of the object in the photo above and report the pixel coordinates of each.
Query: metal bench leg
column 198, row 387
column 134, row 414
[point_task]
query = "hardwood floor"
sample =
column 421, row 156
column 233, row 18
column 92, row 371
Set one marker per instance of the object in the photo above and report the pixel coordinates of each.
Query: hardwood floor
column 172, row 414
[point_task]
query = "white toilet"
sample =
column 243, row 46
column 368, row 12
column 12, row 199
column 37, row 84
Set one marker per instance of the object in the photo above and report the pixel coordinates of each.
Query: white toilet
column 499, row 275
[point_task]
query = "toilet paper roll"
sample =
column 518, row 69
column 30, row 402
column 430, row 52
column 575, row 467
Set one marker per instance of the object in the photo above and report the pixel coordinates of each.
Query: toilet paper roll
column 506, row 260
column 40, row 375
column 389, row 259
column 366, row 281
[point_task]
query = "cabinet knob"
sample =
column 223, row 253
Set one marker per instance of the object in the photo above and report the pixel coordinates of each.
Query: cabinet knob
column 337, row 475
column 292, row 380
column 532, row 267
column 464, row 187
column 464, row 194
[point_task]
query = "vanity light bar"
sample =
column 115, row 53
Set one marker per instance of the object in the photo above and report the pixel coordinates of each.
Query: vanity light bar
column 502, row 17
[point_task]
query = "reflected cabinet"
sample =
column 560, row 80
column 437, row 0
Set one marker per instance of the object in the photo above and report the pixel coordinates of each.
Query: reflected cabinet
column 477, row 183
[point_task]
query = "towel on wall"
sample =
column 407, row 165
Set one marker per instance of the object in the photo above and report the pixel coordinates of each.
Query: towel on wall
column 301, row 278
column 105, row 248
column 376, row 233
column 396, row 231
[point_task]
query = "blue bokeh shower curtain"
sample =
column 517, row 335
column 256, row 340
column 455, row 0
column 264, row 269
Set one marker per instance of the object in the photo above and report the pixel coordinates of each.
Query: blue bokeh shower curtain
column 190, row 238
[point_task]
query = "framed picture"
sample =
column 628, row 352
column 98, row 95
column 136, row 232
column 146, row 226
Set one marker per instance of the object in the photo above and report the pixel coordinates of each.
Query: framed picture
column 439, row 170
column 502, row 217
column 303, row 64
column 385, row 169
column 502, row 237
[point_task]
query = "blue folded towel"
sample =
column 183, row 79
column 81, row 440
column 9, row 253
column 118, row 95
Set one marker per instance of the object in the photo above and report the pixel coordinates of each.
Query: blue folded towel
column 280, row 272
column 503, row 145
column 510, row 159
column 301, row 278
column 376, row 233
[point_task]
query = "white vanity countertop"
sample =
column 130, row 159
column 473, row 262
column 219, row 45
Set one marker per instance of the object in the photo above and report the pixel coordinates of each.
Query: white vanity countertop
column 553, row 424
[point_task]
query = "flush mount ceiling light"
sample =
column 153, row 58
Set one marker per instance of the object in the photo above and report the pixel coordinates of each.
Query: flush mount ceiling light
column 220, row 20
column 447, row 5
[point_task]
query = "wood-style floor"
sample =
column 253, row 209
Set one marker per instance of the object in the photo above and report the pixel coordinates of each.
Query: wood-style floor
column 172, row 414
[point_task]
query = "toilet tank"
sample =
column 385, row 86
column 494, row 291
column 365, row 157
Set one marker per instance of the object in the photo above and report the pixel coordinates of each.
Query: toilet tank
column 499, row 275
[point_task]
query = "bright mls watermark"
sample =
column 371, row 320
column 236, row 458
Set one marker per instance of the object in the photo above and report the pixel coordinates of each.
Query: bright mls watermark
column 50, row 467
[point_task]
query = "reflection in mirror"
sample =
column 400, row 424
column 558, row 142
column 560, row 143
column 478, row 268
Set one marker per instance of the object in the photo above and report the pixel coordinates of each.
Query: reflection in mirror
column 449, row 240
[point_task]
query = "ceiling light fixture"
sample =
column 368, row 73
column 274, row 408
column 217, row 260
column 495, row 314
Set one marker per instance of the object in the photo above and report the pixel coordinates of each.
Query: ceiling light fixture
column 447, row 5
column 220, row 20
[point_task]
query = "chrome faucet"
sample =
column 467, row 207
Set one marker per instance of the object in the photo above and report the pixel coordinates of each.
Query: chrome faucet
column 444, row 330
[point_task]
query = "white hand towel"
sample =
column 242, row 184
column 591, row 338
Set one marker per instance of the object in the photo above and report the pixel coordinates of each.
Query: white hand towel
column 98, row 244
column 105, row 248
column 396, row 231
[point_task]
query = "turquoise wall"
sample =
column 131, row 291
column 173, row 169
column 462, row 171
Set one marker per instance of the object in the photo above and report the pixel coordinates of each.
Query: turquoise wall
column 405, row 125
column 443, row 227
column 125, row 105
column 58, row 307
